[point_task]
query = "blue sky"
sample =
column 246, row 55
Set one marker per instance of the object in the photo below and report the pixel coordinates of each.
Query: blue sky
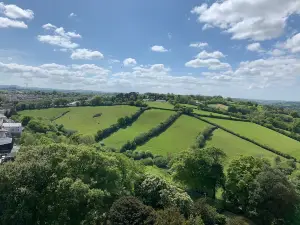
column 236, row 48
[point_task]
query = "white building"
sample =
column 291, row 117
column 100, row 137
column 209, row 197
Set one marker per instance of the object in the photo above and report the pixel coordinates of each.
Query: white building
column 73, row 104
column 13, row 128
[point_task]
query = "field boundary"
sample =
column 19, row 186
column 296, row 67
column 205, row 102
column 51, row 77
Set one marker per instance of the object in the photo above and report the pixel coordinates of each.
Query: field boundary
column 287, row 156
column 59, row 116
column 204, row 136
column 153, row 132
column 123, row 122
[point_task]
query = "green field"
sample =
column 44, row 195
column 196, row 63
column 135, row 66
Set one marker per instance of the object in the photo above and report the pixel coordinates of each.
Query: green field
column 202, row 112
column 219, row 106
column 81, row 118
column 149, row 119
column 47, row 113
column 234, row 146
column 180, row 136
column 262, row 135
column 164, row 105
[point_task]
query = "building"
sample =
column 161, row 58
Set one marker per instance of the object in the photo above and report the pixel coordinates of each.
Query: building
column 73, row 104
column 13, row 128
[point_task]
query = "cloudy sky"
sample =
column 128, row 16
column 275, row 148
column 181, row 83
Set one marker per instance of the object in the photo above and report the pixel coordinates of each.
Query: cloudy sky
column 237, row 48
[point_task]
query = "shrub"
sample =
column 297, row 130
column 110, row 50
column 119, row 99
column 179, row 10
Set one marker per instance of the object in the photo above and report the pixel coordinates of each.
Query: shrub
column 97, row 115
column 161, row 162
column 170, row 216
column 130, row 211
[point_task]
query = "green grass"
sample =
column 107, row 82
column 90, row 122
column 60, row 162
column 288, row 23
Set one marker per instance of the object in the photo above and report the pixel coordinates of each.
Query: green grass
column 202, row 112
column 219, row 106
column 47, row 113
column 81, row 118
column 155, row 171
column 180, row 136
column 262, row 135
column 147, row 120
column 235, row 147
column 164, row 105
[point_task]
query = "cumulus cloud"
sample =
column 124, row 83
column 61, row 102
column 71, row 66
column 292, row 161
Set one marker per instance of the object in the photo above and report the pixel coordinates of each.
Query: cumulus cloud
column 13, row 15
column 206, row 26
column 72, row 15
column 276, row 52
column 255, row 47
column 59, row 37
column 199, row 45
column 158, row 48
column 293, row 43
column 256, row 20
column 86, row 54
column 211, row 64
column 15, row 12
column 129, row 62
column 204, row 55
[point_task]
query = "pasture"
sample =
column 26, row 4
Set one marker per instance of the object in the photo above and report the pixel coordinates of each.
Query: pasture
column 82, row 120
column 219, row 106
column 180, row 136
column 149, row 119
column 234, row 146
column 262, row 135
column 47, row 113
column 164, row 105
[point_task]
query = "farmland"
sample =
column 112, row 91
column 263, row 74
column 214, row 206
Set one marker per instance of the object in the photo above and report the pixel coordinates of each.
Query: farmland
column 147, row 120
column 180, row 136
column 234, row 146
column 164, row 105
column 81, row 118
column 47, row 113
column 262, row 135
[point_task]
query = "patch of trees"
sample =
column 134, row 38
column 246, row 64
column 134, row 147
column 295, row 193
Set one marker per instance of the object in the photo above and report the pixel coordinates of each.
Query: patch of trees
column 122, row 123
column 204, row 136
column 148, row 159
column 284, row 155
column 184, row 109
column 144, row 137
column 97, row 115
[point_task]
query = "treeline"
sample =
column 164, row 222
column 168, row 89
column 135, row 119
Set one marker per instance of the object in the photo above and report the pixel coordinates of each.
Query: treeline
column 144, row 137
column 204, row 136
column 61, row 115
column 122, row 123
column 284, row 155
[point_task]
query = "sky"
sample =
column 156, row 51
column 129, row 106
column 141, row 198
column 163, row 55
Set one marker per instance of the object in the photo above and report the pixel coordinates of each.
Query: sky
column 234, row 48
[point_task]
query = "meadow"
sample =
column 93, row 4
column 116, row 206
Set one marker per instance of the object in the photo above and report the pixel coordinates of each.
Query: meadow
column 149, row 119
column 235, row 147
column 164, row 105
column 178, row 137
column 262, row 135
column 81, row 118
column 47, row 113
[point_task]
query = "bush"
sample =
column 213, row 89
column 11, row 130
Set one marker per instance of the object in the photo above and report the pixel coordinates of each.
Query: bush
column 161, row 162
column 236, row 221
column 147, row 161
column 97, row 115
column 130, row 211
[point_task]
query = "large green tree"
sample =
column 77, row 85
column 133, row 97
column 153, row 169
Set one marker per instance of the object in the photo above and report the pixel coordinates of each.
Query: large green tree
column 61, row 184
column 201, row 169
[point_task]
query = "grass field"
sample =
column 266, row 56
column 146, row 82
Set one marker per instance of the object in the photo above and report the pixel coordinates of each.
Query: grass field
column 147, row 120
column 164, row 105
column 234, row 146
column 47, row 113
column 219, row 106
column 81, row 118
column 202, row 112
column 262, row 135
column 180, row 136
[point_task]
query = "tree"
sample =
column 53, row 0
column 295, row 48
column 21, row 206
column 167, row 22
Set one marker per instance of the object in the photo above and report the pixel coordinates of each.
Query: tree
column 201, row 170
column 273, row 198
column 241, row 175
column 236, row 221
column 61, row 184
column 169, row 216
column 130, row 211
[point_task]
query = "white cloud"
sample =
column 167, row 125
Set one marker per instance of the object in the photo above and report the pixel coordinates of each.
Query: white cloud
column 204, row 55
column 255, row 47
column 72, row 15
column 112, row 61
column 86, row 54
column 15, row 12
column 211, row 64
column 129, row 62
column 6, row 23
column 59, row 37
column 158, row 48
column 293, row 43
column 244, row 19
column 199, row 45
column 206, row 26
column 276, row 52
